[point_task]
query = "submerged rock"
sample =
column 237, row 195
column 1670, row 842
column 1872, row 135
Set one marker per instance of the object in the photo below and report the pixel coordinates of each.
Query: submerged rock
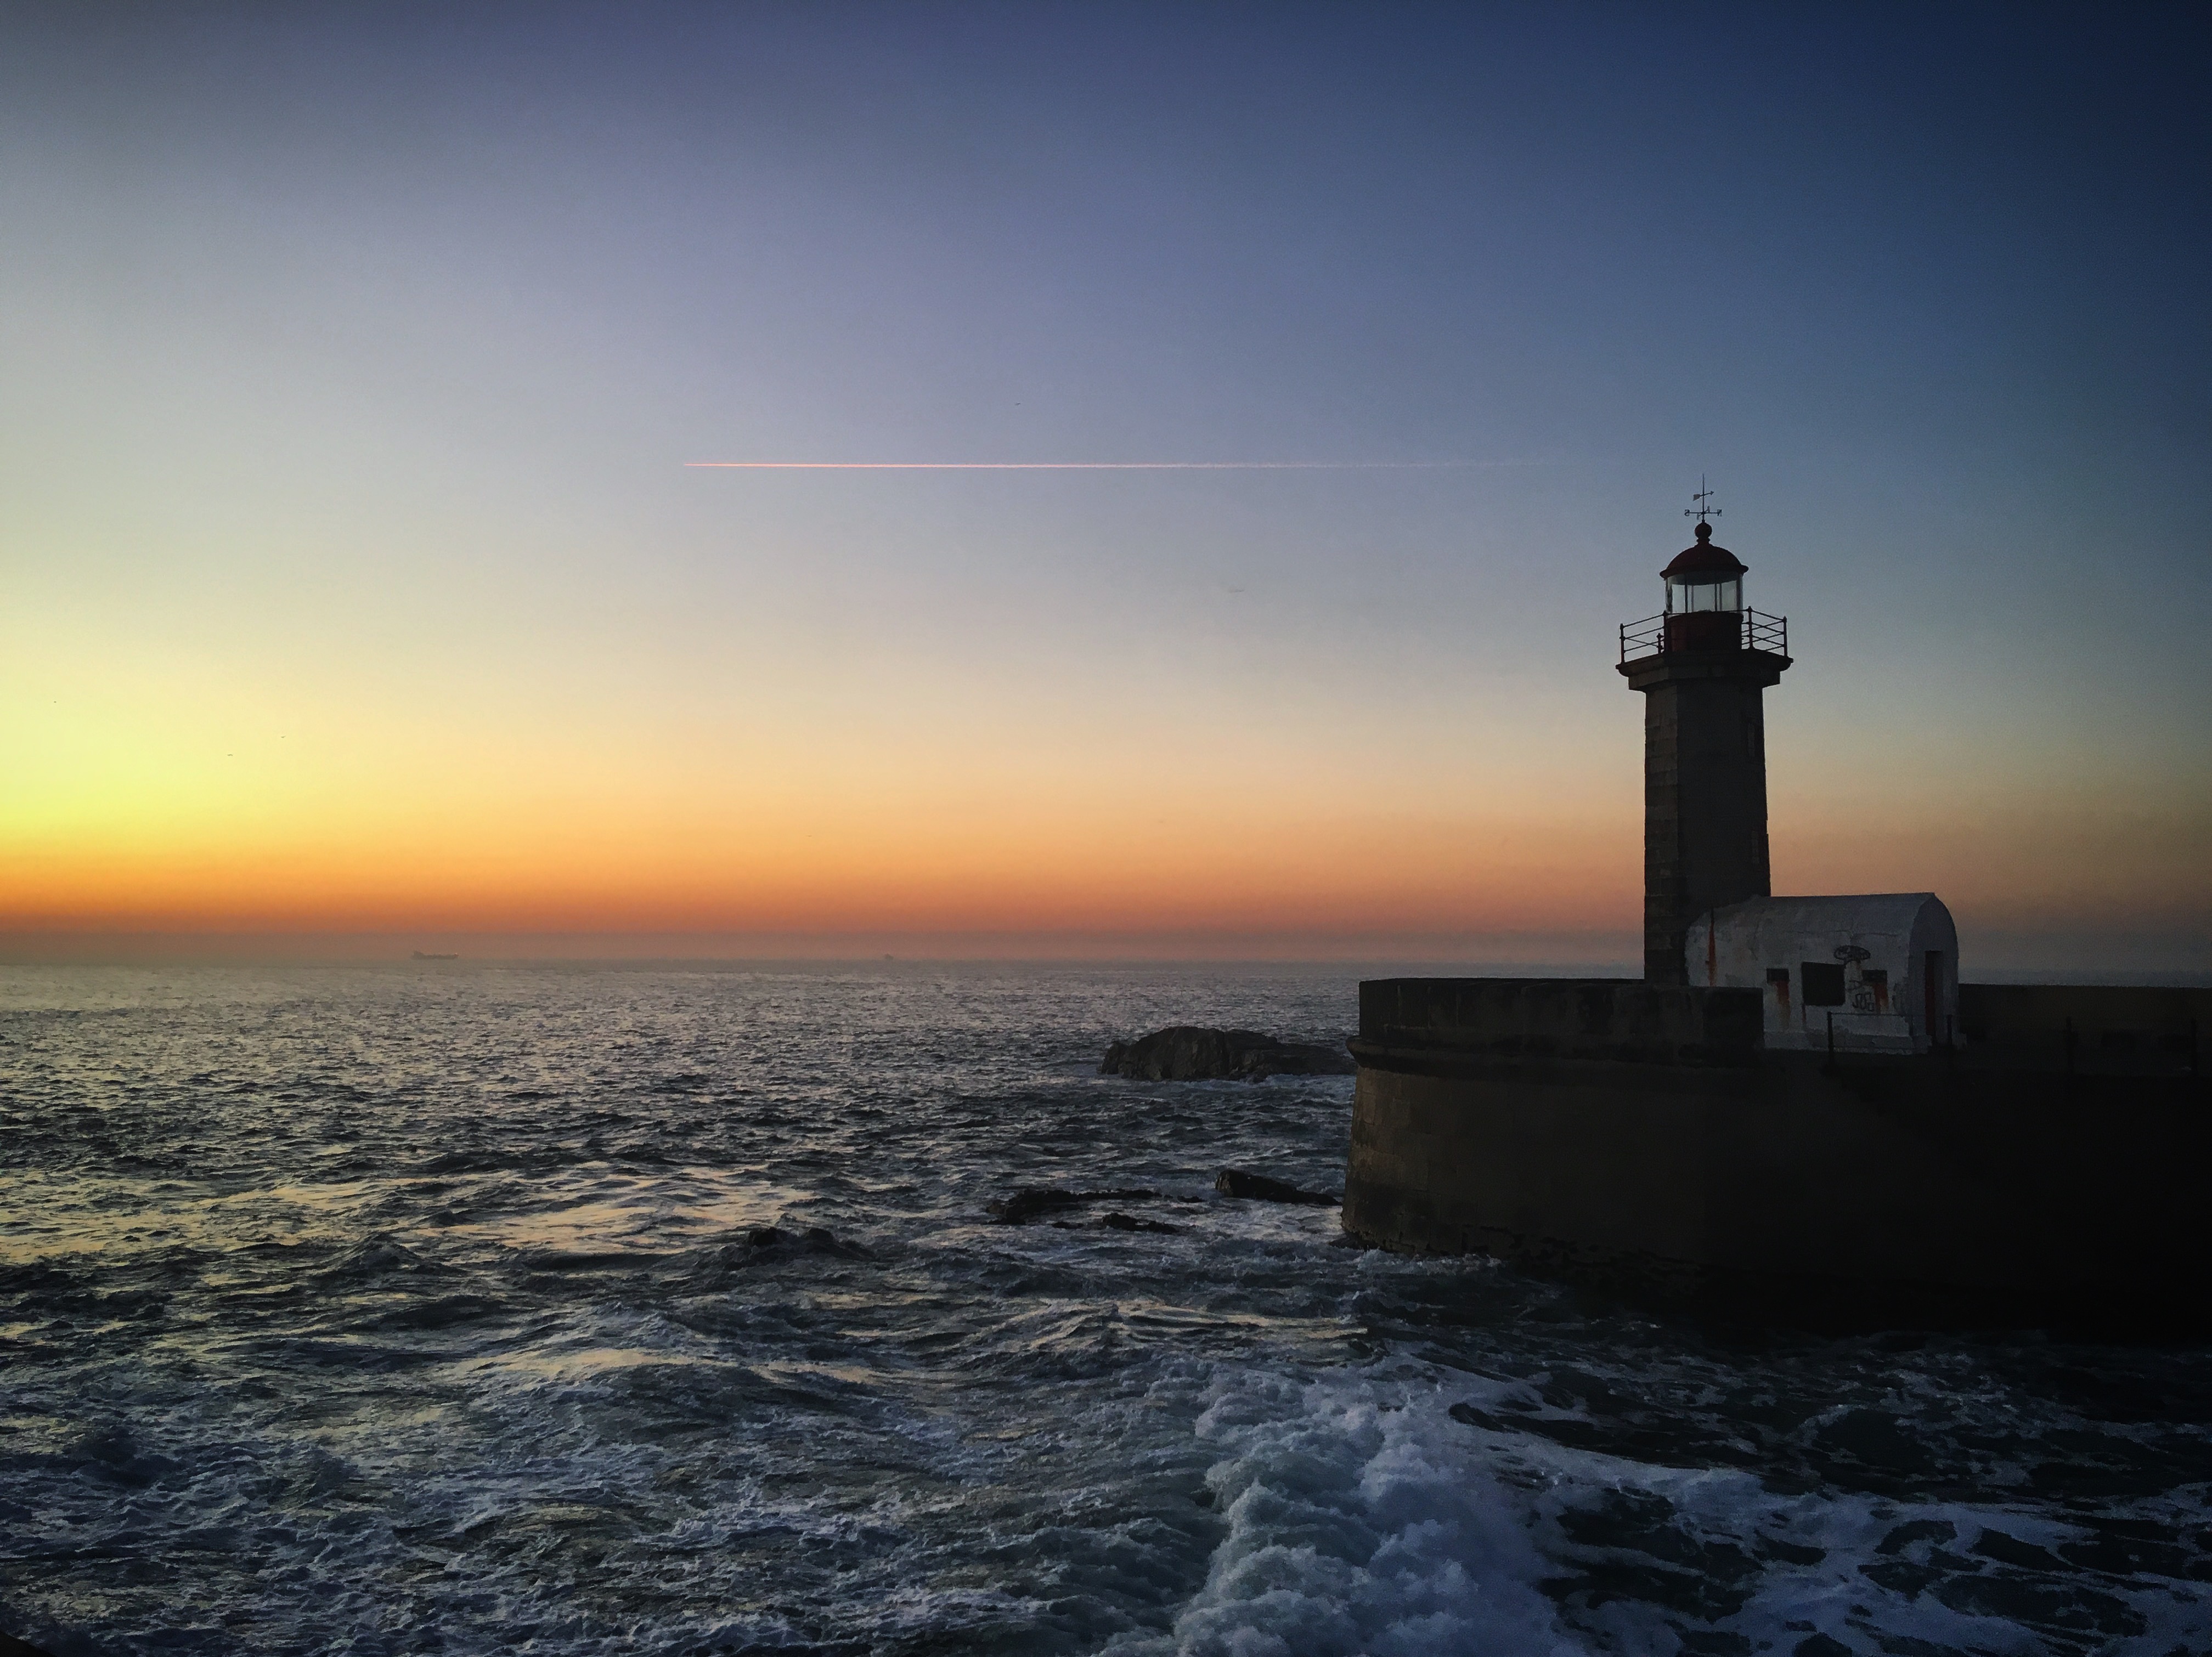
column 1235, row 1182
column 814, row 1240
column 579, row 1259
column 1029, row 1204
column 1193, row 1052
column 761, row 1245
column 1130, row 1223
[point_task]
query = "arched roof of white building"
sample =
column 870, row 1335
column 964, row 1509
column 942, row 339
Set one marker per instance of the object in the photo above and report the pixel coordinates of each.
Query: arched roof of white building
column 1891, row 913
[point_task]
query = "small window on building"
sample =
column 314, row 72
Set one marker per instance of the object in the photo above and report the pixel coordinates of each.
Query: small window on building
column 1777, row 981
column 1823, row 981
column 1877, row 983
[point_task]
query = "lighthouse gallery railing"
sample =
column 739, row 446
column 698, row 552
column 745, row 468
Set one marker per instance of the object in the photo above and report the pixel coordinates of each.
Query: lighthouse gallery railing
column 1760, row 632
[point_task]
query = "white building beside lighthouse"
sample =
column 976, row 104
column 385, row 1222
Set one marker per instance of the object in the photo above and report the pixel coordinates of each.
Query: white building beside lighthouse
column 1871, row 973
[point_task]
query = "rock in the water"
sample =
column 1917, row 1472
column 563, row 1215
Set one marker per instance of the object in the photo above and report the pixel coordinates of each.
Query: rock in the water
column 760, row 1245
column 1192, row 1052
column 11, row 1647
column 1028, row 1205
column 815, row 1240
column 1235, row 1182
column 1131, row 1222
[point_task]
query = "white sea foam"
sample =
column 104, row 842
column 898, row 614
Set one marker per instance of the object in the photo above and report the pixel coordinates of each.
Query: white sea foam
column 1360, row 1521
column 1364, row 1521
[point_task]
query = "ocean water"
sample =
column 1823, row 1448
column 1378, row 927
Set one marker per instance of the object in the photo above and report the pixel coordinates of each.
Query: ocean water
column 547, row 1309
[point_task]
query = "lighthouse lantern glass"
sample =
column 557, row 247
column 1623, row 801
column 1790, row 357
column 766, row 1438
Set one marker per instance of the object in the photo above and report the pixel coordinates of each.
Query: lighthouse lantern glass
column 1688, row 593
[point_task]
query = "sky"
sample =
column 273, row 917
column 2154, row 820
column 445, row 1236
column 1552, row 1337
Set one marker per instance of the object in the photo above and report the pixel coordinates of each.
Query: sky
column 359, row 595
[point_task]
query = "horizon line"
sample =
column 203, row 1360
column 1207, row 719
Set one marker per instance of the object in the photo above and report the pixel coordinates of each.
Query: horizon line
column 1094, row 465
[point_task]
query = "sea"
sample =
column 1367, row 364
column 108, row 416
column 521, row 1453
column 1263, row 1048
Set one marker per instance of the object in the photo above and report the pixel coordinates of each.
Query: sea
column 457, row 1308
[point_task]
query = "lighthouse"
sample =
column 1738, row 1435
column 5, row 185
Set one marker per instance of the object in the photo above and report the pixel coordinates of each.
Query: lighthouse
column 1703, row 665
column 1798, row 1112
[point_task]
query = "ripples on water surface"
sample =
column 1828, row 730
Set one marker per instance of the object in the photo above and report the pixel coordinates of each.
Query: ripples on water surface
column 436, row 1310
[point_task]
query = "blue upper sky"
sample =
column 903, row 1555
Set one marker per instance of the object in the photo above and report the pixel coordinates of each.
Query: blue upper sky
column 346, row 340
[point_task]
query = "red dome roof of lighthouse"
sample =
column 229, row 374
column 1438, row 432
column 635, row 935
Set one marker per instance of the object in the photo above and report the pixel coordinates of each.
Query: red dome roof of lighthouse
column 1705, row 559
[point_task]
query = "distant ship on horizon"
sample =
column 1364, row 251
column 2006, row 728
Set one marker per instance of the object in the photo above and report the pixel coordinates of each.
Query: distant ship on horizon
column 423, row 955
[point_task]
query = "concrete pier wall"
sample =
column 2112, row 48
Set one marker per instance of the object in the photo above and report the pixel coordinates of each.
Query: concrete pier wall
column 1641, row 1138
column 2087, row 1029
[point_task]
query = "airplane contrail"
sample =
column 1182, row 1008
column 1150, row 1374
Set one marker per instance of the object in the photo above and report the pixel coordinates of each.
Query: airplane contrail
column 1092, row 465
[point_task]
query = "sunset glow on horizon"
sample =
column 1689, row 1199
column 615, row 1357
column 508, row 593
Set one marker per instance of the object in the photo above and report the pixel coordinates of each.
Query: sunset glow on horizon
column 354, row 583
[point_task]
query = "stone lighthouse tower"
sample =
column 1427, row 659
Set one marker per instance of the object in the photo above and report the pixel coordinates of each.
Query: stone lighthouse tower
column 1703, row 666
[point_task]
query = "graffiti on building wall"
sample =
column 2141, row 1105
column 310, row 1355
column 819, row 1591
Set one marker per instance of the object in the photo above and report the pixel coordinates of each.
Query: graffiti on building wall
column 1866, row 989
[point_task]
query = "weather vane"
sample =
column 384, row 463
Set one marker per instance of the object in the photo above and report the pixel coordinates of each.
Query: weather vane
column 1701, row 511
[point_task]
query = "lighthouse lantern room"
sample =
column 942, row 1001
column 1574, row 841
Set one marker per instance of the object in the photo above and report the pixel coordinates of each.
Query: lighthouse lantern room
column 1705, row 596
